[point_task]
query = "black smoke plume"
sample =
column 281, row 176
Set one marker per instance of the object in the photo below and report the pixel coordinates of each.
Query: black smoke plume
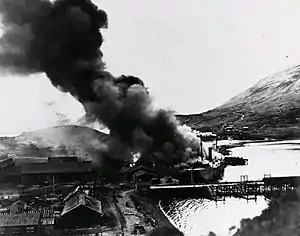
column 63, row 40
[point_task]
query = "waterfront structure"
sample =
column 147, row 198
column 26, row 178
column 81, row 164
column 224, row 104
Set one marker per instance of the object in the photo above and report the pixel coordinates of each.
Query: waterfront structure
column 268, row 187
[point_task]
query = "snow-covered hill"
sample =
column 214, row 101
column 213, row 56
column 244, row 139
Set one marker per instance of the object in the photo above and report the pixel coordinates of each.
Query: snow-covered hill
column 271, row 108
column 277, row 92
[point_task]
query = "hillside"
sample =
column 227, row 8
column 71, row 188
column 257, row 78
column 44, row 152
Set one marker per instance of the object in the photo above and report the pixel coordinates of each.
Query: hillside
column 59, row 140
column 271, row 108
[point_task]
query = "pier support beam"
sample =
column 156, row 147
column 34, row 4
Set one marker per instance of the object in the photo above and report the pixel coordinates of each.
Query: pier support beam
column 192, row 177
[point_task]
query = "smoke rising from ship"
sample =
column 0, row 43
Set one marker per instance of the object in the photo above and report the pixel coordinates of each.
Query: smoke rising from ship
column 62, row 39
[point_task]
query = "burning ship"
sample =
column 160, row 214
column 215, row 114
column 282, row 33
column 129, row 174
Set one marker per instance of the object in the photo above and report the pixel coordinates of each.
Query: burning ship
column 209, row 167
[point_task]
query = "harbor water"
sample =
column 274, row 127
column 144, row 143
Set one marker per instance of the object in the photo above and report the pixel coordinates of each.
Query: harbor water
column 195, row 217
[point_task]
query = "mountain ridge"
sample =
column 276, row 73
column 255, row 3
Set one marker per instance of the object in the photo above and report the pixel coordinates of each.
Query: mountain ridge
column 271, row 108
column 55, row 141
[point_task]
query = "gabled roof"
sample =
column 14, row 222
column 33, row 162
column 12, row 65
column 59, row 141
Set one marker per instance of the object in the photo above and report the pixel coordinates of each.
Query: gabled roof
column 81, row 199
column 24, row 219
column 6, row 202
column 19, row 202
column 71, row 194
column 6, row 161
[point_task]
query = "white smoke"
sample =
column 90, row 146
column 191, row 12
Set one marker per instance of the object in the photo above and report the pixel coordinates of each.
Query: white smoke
column 191, row 136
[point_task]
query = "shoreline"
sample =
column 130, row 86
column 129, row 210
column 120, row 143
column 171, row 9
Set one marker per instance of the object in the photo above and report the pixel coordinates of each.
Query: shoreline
column 240, row 143
column 134, row 209
column 152, row 207
column 166, row 216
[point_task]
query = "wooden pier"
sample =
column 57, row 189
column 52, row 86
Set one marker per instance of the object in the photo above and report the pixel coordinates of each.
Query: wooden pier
column 267, row 187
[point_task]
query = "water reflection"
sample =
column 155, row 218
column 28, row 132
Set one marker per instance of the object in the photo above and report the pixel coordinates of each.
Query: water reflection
column 199, row 216
column 276, row 159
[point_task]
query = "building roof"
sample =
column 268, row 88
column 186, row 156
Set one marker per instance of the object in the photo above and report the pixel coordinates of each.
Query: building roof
column 6, row 161
column 53, row 167
column 19, row 202
column 63, row 159
column 207, row 134
column 71, row 194
column 6, row 202
column 24, row 219
column 143, row 172
column 81, row 199
column 138, row 168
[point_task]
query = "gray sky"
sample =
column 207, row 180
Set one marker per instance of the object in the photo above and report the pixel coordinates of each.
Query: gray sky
column 193, row 55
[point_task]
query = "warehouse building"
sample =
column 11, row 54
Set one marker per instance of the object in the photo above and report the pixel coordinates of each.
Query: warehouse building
column 55, row 170
column 81, row 211
column 29, row 223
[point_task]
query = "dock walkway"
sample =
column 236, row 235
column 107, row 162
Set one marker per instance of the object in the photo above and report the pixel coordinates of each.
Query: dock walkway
column 243, row 189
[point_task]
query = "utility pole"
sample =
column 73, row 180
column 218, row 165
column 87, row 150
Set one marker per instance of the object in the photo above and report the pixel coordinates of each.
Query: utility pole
column 201, row 148
column 53, row 184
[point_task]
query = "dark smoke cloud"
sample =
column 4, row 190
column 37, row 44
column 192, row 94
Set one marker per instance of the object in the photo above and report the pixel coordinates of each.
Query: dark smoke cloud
column 63, row 40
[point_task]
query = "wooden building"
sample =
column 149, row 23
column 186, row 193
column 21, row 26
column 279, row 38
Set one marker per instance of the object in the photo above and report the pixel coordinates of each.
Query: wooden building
column 140, row 174
column 20, row 224
column 50, row 173
column 17, row 207
column 47, row 223
column 81, row 211
column 27, row 223
column 6, row 164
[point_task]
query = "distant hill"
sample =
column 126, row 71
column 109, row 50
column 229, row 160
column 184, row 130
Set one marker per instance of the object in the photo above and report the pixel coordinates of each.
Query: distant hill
column 271, row 108
column 59, row 140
